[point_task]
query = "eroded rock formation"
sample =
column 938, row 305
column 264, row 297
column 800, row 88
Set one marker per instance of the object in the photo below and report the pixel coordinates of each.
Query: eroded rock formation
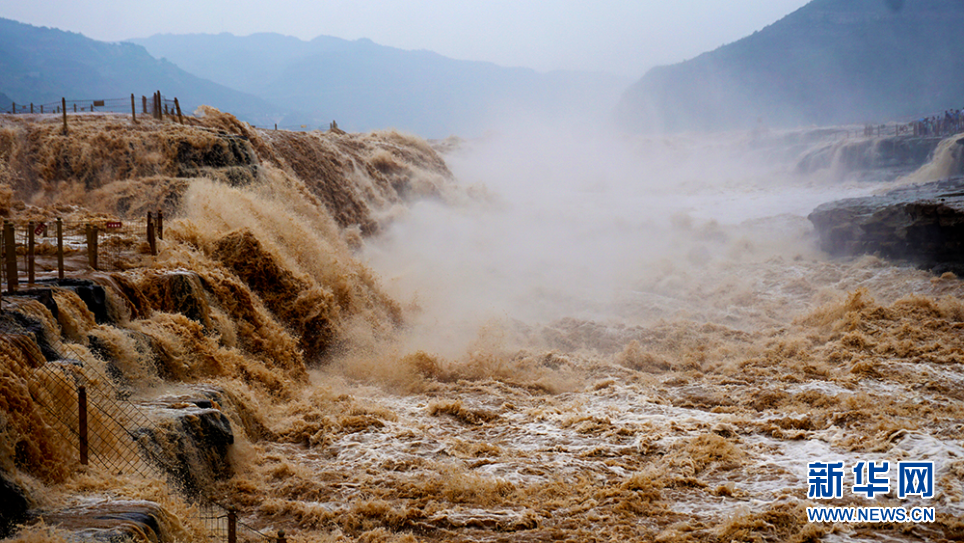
column 923, row 224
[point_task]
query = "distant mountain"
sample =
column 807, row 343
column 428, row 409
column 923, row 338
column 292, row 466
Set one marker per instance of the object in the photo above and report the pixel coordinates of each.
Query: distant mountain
column 830, row 62
column 363, row 85
column 44, row 64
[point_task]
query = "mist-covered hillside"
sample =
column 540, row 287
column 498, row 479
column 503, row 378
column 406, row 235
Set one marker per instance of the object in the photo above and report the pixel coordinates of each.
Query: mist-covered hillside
column 39, row 64
column 832, row 61
column 364, row 85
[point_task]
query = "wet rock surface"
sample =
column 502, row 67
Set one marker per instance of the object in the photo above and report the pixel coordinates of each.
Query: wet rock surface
column 92, row 294
column 114, row 522
column 190, row 439
column 923, row 224
column 182, row 292
column 14, row 506
column 16, row 323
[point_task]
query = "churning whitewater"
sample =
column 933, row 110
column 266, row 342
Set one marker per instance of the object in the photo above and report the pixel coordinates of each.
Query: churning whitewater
column 538, row 335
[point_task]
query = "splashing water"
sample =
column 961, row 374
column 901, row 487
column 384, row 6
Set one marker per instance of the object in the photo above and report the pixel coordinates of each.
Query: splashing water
column 582, row 337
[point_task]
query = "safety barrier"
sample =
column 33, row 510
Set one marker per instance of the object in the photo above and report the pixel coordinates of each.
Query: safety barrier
column 95, row 418
column 106, row 243
column 157, row 107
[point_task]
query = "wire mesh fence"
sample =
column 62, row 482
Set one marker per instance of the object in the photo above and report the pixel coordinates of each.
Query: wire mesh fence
column 214, row 518
column 42, row 249
column 95, row 417
column 92, row 414
column 222, row 524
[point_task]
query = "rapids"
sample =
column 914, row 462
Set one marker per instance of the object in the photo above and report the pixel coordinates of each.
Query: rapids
column 538, row 335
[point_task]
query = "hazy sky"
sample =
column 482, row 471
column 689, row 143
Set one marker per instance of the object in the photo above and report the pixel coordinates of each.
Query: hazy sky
column 622, row 36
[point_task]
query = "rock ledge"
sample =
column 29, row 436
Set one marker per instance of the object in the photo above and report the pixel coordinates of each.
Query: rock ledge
column 923, row 224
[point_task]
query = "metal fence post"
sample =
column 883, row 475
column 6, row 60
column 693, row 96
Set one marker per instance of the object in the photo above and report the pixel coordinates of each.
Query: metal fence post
column 10, row 251
column 82, row 423
column 232, row 526
column 30, row 253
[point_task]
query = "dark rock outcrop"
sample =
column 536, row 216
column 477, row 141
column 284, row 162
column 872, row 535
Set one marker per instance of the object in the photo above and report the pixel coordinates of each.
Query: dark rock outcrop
column 923, row 224
column 17, row 323
column 179, row 292
column 190, row 440
column 14, row 506
column 92, row 294
column 43, row 295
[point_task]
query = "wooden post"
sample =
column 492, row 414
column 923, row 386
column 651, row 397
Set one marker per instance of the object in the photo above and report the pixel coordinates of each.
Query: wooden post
column 30, row 253
column 133, row 108
column 14, row 108
column 63, row 102
column 94, row 234
column 177, row 106
column 281, row 537
column 160, row 224
column 157, row 105
column 82, row 423
column 41, row 109
column 92, row 245
column 150, row 234
column 10, row 251
column 143, row 104
column 60, row 248
column 232, row 526
column 90, row 259
column 75, row 108
column 31, row 107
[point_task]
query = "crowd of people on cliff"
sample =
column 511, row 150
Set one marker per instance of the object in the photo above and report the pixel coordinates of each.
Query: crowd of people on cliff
column 951, row 122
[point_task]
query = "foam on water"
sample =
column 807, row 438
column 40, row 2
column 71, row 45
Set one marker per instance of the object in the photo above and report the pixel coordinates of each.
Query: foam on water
column 575, row 337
